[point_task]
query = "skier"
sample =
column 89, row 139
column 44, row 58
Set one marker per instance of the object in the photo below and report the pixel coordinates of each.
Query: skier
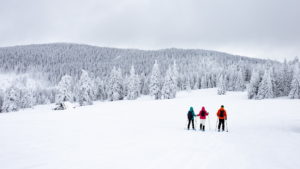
column 222, row 115
column 191, row 115
column 202, row 114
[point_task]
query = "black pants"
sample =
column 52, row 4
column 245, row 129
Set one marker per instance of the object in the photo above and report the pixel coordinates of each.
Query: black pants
column 221, row 122
column 191, row 120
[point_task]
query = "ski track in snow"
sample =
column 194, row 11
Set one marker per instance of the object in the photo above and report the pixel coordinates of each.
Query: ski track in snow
column 151, row 134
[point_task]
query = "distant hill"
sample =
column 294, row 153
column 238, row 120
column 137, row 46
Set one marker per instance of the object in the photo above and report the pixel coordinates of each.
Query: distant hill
column 55, row 60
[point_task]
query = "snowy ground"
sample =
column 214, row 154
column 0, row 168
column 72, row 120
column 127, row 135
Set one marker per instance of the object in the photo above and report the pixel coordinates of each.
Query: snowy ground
column 147, row 134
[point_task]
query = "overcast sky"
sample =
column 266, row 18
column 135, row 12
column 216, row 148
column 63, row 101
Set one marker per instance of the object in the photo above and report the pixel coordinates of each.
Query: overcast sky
column 256, row 28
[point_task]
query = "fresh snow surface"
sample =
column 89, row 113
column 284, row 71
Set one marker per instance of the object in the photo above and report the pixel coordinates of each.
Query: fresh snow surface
column 151, row 134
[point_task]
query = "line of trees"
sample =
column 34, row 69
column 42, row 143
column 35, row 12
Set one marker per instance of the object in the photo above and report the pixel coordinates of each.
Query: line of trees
column 275, row 81
column 83, row 74
column 87, row 89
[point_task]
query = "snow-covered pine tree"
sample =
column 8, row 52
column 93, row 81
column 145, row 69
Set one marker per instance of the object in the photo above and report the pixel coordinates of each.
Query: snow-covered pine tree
column 85, row 89
column 144, row 84
column 278, row 87
column 1, row 100
column 253, row 85
column 175, row 75
column 221, row 85
column 155, row 84
column 265, row 89
column 133, row 85
column 287, row 78
column 195, row 82
column 26, row 98
column 115, row 85
column 210, row 83
column 196, row 85
column 125, row 84
column 11, row 99
column 169, row 85
column 187, row 84
column 231, row 79
column 50, row 95
column 45, row 95
column 174, row 78
column 100, row 89
column 295, row 85
column 64, row 89
column 120, row 77
column 240, row 83
column 204, row 82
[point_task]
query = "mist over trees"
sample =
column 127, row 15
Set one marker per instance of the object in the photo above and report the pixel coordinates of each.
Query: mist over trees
column 83, row 74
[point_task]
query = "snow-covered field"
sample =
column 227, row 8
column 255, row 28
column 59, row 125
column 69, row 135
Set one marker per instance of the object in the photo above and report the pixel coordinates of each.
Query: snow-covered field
column 148, row 134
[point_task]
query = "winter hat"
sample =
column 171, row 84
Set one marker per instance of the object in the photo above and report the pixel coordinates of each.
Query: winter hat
column 222, row 106
column 203, row 108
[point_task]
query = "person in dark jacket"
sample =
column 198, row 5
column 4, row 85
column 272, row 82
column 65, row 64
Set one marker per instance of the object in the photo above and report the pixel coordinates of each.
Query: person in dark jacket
column 191, row 115
column 222, row 115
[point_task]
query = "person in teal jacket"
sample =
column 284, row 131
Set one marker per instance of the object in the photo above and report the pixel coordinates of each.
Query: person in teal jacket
column 191, row 115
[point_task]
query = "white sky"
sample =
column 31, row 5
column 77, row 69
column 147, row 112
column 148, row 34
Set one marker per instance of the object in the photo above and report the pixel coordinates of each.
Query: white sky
column 256, row 28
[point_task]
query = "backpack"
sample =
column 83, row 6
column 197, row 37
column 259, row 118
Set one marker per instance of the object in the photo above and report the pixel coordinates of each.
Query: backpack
column 222, row 113
column 203, row 113
column 190, row 115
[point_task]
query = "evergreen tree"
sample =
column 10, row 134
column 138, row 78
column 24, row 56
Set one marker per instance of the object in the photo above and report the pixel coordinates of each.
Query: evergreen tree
column 253, row 85
column 169, row 86
column 144, row 84
column 287, row 78
column 204, row 82
column 100, row 89
column 133, row 85
column 125, row 85
column 85, row 89
column 45, row 96
column 11, row 99
column 115, row 88
column 295, row 86
column 26, row 98
column 155, row 86
column 175, row 75
column 240, row 83
column 231, row 80
column 196, row 85
column 64, row 89
column 210, row 83
column 1, row 100
column 187, row 84
column 265, row 89
column 221, row 86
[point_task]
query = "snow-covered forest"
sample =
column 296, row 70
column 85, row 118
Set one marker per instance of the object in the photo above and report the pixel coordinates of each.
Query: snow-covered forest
column 83, row 74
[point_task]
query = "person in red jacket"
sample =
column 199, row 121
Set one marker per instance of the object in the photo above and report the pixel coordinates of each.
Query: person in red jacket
column 222, row 115
column 202, row 114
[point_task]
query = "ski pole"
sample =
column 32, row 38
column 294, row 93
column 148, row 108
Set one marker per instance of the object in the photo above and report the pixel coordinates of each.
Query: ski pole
column 186, row 123
column 195, row 125
column 217, row 122
column 226, row 125
column 208, row 122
